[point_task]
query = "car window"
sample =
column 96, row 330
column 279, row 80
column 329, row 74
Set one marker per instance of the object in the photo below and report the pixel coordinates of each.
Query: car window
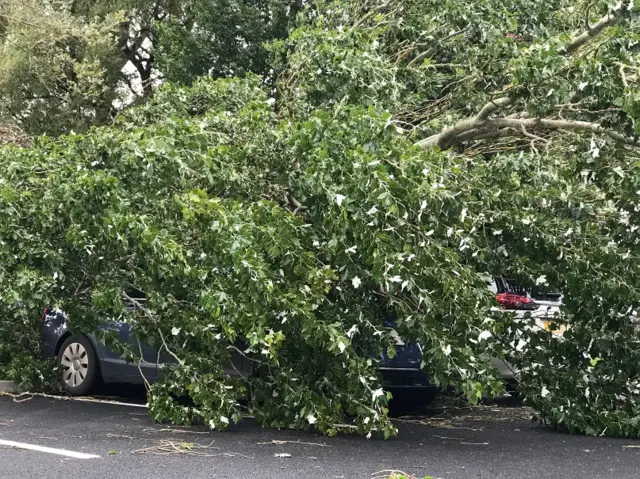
column 135, row 295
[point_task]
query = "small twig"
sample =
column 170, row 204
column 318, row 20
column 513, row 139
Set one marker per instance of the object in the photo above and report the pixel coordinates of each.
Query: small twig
column 148, row 314
column 370, row 13
column 454, row 34
column 623, row 75
column 533, row 140
column 297, row 204
column 448, row 438
column 302, row 443
column 166, row 347
column 390, row 473
column 345, row 426
column 166, row 447
column 146, row 383
column 587, row 23
column 22, row 397
column 179, row 431
column 47, row 437
column 234, row 454
column 118, row 436
column 243, row 354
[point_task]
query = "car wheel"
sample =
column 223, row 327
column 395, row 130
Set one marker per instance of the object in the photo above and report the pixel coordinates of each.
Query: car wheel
column 79, row 365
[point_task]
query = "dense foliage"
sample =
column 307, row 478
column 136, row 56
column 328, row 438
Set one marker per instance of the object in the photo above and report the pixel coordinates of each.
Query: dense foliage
column 66, row 65
column 393, row 157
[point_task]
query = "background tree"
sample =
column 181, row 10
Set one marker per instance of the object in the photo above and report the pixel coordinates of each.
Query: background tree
column 66, row 65
column 57, row 73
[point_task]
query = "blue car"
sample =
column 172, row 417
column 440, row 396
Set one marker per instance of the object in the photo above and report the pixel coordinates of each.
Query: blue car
column 84, row 362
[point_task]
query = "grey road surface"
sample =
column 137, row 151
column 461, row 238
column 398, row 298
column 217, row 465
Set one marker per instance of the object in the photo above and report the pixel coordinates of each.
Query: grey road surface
column 491, row 442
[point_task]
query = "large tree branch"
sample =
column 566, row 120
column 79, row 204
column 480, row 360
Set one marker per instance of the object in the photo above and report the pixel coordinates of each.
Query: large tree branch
column 443, row 139
column 514, row 127
column 592, row 31
column 481, row 126
column 492, row 107
column 534, row 124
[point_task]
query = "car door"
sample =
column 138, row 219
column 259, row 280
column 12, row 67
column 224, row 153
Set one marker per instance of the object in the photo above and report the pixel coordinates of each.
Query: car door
column 237, row 366
column 117, row 367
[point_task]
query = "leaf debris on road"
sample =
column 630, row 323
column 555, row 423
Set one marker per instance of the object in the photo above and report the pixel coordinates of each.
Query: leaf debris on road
column 166, row 447
column 467, row 417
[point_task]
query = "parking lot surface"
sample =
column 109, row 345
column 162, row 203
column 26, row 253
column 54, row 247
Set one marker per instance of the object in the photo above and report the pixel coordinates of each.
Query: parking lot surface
column 120, row 441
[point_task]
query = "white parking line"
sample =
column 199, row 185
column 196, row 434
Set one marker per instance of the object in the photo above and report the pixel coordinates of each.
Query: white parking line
column 98, row 401
column 50, row 450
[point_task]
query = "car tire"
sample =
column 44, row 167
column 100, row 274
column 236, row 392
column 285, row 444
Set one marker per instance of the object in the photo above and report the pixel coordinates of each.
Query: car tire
column 78, row 363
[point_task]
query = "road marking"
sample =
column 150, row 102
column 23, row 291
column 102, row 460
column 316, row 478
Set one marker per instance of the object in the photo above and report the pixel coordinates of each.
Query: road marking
column 99, row 401
column 50, row 450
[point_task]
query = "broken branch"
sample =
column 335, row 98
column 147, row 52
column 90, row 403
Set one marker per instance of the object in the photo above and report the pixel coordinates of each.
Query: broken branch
column 608, row 20
column 481, row 126
column 570, row 125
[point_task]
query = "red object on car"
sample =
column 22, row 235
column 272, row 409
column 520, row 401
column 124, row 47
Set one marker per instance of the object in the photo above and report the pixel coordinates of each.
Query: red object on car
column 515, row 301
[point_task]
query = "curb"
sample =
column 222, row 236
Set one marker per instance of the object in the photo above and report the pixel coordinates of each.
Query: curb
column 8, row 387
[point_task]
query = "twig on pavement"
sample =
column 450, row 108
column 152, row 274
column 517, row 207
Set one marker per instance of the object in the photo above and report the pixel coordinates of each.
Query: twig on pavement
column 279, row 442
column 167, row 447
column 179, row 431
column 462, row 441
column 27, row 396
column 391, row 474
column 448, row 438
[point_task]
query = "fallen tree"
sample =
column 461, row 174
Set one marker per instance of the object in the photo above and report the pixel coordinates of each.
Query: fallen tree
column 377, row 180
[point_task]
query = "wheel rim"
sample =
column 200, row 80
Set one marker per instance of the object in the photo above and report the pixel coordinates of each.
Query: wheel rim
column 75, row 365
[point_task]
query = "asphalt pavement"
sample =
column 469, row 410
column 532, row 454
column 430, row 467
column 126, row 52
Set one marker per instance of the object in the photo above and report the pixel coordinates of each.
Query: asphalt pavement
column 486, row 442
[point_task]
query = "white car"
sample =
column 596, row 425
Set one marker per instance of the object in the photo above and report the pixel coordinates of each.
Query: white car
column 541, row 307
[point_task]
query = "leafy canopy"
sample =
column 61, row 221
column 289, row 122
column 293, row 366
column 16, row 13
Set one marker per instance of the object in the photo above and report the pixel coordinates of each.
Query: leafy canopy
column 407, row 152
